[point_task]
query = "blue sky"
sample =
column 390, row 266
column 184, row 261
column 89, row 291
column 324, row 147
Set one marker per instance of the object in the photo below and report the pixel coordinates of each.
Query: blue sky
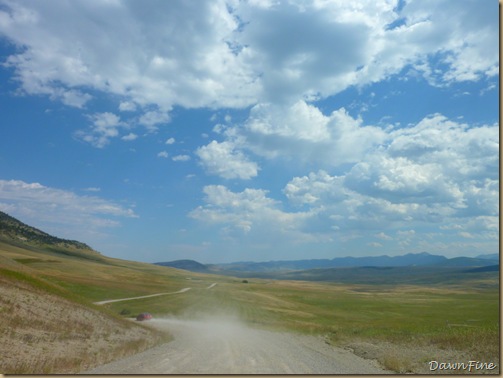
column 226, row 131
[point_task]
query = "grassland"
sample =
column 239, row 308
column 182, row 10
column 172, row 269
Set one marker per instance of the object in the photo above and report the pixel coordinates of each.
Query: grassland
column 379, row 322
column 402, row 326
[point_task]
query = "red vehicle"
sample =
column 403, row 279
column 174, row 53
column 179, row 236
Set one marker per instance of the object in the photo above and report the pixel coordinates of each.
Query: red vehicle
column 144, row 316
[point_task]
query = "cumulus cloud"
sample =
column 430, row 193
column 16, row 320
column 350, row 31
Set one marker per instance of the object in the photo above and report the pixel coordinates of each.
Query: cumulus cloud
column 222, row 159
column 274, row 59
column 104, row 127
column 181, row 158
column 52, row 208
column 300, row 133
column 71, row 97
column 251, row 212
column 448, row 175
column 162, row 154
column 304, row 132
column 129, row 137
column 316, row 188
column 383, row 236
column 127, row 106
column 153, row 118
column 431, row 174
column 238, row 54
column 128, row 49
column 462, row 34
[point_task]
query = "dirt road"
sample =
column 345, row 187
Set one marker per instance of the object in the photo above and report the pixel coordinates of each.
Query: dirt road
column 143, row 296
column 226, row 346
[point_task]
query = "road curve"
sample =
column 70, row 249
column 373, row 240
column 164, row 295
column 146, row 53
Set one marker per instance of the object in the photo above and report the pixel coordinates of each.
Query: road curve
column 226, row 346
column 144, row 296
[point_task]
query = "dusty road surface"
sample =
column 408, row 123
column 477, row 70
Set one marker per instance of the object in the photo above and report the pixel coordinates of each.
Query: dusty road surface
column 225, row 346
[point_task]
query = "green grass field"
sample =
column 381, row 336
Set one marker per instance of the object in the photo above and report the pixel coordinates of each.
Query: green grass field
column 451, row 317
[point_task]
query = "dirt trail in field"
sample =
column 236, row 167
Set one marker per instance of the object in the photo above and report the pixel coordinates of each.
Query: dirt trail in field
column 226, row 346
column 144, row 296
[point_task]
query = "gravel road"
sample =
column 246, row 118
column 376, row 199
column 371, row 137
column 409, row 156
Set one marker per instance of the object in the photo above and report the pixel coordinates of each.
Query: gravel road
column 225, row 346
column 143, row 296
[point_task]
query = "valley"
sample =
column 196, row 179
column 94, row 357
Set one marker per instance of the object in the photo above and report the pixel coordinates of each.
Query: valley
column 50, row 291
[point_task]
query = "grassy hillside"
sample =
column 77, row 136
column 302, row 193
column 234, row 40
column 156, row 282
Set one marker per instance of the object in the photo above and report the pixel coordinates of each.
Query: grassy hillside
column 48, row 286
column 47, row 330
column 14, row 230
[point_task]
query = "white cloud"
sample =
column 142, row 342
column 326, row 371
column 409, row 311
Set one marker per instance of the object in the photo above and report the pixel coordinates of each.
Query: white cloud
column 383, row 236
column 93, row 189
column 303, row 133
column 50, row 208
column 273, row 59
column 153, row 118
column 222, row 159
column 104, row 126
column 251, row 212
column 126, row 49
column 437, row 172
column 181, row 158
column 163, row 154
column 462, row 32
column 431, row 174
column 127, row 106
column 316, row 188
column 241, row 53
column 73, row 98
column 407, row 233
column 374, row 245
column 466, row 235
column 129, row 137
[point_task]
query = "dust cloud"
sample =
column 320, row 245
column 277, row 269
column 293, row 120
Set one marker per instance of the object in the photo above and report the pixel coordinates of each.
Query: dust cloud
column 210, row 326
column 223, row 344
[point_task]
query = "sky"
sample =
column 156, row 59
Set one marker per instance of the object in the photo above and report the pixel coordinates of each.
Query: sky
column 224, row 131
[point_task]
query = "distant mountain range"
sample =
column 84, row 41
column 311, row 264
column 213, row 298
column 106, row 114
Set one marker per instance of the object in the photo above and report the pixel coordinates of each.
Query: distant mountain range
column 419, row 268
column 491, row 256
column 189, row 265
column 408, row 260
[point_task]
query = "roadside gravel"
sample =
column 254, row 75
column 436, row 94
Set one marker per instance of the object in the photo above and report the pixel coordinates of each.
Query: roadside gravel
column 225, row 346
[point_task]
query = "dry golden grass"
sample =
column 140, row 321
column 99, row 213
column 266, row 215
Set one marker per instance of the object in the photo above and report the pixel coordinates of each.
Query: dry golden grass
column 42, row 333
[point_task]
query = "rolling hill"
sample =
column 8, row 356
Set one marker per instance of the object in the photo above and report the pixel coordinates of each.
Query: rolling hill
column 15, row 231
column 48, row 286
column 189, row 265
